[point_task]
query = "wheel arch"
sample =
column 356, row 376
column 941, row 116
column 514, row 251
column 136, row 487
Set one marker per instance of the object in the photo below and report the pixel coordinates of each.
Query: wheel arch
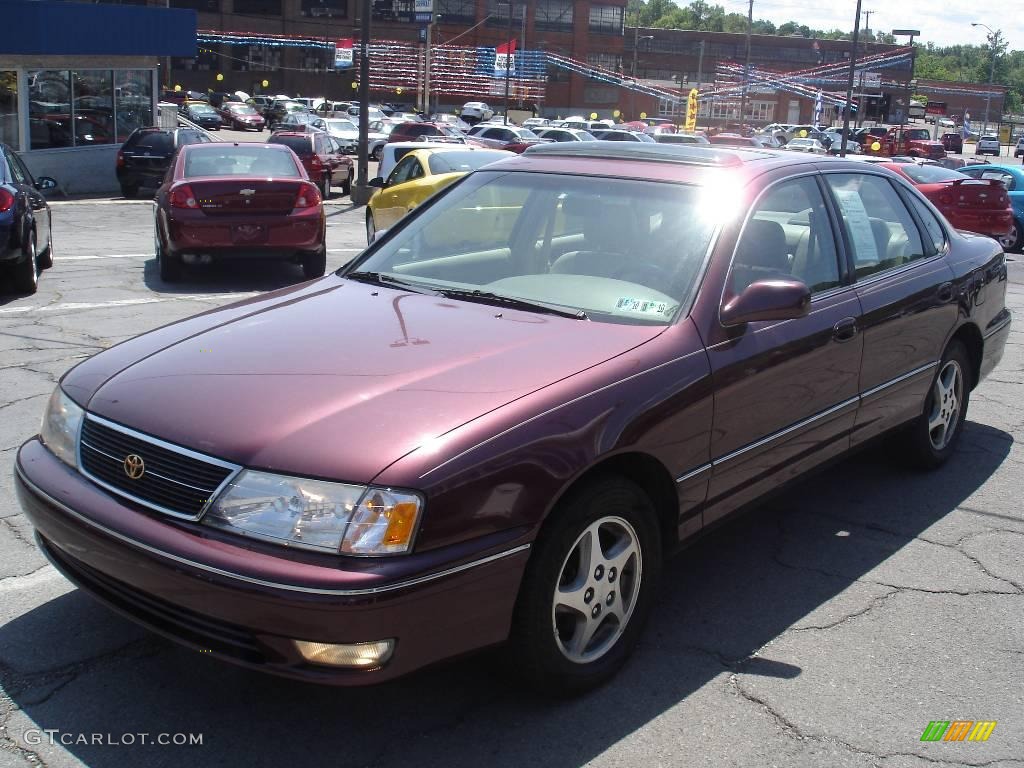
column 643, row 469
column 969, row 335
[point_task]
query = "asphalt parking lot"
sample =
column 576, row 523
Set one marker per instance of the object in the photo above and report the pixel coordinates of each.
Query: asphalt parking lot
column 827, row 628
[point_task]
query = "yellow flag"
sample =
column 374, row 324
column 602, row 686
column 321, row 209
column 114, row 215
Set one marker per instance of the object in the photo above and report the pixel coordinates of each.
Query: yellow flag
column 691, row 111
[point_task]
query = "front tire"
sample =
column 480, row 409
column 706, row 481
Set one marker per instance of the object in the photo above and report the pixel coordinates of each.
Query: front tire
column 588, row 588
column 26, row 272
column 932, row 437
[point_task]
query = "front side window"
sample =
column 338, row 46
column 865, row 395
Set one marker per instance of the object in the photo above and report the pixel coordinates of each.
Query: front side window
column 788, row 236
column 879, row 229
column 405, row 171
column 624, row 251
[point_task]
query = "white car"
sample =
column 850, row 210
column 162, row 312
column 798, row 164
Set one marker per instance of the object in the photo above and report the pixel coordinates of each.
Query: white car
column 476, row 111
column 535, row 122
column 988, row 145
column 1019, row 149
column 812, row 146
column 946, row 123
column 345, row 131
column 391, row 153
column 565, row 134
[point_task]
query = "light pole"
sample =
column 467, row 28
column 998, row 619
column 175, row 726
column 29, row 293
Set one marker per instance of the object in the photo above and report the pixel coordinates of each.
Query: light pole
column 636, row 49
column 508, row 58
column 849, row 84
column 911, row 33
column 993, row 38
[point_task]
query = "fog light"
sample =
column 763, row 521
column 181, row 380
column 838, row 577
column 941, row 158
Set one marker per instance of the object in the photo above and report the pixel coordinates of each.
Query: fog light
column 360, row 655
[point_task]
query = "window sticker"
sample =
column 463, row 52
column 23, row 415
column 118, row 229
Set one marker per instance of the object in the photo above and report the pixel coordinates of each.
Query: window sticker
column 642, row 306
column 858, row 224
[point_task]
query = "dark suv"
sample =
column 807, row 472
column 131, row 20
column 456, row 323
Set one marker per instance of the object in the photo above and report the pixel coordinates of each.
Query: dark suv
column 321, row 156
column 437, row 132
column 145, row 157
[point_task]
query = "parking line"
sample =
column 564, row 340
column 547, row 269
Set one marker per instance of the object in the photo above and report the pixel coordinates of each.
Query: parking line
column 72, row 306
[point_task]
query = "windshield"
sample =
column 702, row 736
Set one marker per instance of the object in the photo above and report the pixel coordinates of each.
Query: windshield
column 341, row 125
column 240, row 160
column 931, row 174
column 625, row 251
column 201, row 109
column 464, row 160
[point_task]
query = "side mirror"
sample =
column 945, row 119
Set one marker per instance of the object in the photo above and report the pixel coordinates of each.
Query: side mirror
column 377, row 182
column 44, row 183
column 767, row 300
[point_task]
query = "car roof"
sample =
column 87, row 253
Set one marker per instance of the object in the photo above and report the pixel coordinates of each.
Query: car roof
column 221, row 144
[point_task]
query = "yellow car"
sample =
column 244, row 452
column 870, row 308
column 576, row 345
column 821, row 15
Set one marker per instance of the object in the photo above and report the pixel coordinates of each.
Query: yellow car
column 417, row 176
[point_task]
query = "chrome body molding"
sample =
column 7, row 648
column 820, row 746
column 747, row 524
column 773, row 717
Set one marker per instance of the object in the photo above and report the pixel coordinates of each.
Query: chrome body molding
column 693, row 473
column 998, row 328
column 262, row 582
column 898, row 379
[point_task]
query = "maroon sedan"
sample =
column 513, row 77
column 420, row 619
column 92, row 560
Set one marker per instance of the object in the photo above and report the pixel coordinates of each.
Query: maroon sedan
column 223, row 200
column 974, row 205
column 322, row 157
column 497, row 422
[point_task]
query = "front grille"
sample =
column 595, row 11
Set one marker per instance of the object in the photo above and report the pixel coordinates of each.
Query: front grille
column 175, row 480
column 203, row 631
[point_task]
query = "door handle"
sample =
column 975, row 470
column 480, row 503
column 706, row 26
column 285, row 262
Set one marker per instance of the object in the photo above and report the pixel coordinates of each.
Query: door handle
column 945, row 292
column 845, row 329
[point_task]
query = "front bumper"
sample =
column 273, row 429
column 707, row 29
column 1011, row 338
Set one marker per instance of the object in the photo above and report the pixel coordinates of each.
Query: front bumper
column 245, row 605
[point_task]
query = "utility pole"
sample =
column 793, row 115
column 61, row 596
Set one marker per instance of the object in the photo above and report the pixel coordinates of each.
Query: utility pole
column 327, row 44
column 700, row 74
column 867, row 20
column 508, row 58
column 426, row 72
column 993, row 40
column 361, row 190
column 746, row 66
column 849, row 85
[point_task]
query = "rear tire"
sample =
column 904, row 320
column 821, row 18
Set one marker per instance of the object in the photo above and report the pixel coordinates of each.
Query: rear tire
column 588, row 588
column 325, row 186
column 168, row 263
column 346, row 188
column 377, row 151
column 1014, row 239
column 315, row 264
column 932, row 437
column 371, row 228
column 26, row 272
column 130, row 191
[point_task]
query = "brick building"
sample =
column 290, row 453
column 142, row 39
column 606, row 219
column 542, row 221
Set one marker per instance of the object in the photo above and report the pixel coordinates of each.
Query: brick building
column 583, row 30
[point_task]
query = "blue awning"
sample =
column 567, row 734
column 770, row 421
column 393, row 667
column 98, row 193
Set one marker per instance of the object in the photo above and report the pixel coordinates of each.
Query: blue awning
column 67, row 29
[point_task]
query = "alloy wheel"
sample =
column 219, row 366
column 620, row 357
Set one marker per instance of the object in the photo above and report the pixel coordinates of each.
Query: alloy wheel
column 947, row 394
column 1009, row 240
column 597, row 589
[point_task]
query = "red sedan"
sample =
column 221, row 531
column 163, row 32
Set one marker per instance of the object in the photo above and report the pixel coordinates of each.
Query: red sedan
column 224, row 200
column 974, row 205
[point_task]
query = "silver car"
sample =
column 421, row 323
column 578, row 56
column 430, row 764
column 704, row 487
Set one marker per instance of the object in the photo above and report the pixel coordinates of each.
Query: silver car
column 988, row 145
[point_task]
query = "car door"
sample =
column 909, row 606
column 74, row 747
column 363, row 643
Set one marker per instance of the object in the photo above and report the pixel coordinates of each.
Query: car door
column 26, row 185
column 906, row 291
column 391, row 207
column 785, row 392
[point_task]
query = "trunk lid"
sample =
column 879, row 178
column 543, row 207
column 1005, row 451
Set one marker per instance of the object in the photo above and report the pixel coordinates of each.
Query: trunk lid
column 229, row 197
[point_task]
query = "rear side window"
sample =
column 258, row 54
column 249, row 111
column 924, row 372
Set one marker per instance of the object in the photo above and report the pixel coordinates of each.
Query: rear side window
column 879, row 228
column 932, row 227
column 300, row 145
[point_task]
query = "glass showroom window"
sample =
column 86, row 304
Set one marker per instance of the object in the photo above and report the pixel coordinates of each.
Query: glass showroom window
column 87, row 107
column 133, row 98
column 93, row 92
column 606, row 19
column 9, row 108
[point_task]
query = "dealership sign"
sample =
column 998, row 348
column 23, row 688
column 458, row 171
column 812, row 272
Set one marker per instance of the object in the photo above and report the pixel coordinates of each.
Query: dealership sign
column 343, row 53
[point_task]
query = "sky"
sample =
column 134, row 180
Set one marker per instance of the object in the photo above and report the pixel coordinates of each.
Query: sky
column 940, row 22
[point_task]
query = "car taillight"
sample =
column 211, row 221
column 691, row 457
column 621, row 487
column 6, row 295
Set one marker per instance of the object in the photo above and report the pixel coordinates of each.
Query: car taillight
column 120, row 158
column 315, row 162
column 183, row 197
column 6, row 201
column 308, row 197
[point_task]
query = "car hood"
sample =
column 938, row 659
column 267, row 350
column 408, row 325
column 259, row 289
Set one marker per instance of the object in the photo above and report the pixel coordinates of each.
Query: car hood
column 341, row 381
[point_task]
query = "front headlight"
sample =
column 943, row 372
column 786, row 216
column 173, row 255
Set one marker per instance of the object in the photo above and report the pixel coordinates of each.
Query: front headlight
column 318, row 515
column 59, row 430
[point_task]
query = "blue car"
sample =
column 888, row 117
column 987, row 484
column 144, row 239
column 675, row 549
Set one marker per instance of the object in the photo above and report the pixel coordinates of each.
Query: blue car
column 1012, row 177
column 26, row 240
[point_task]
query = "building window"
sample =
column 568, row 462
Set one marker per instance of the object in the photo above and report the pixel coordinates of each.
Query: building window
column 497, row 12
column 335, row 9
column 87, row 107
column 612, row 61
column 9, row 108
column 553, row 16
column 761, row 111
column 667, row 108
column 260, row 7
column 256, row 58
column 606, row 19
column 456, row 11
column 210, row 6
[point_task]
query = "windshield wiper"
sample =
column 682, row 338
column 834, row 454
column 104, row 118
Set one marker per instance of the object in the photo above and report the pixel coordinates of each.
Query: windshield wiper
column 486, row 297
column 382, row 278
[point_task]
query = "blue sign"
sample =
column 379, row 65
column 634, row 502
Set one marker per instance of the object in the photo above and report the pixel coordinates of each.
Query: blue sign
column 424, row 18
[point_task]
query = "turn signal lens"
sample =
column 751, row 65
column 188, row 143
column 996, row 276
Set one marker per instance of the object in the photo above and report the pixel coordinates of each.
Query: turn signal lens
column 383, row 524
column 183, row 197
column 120, row 159
column 308, row 197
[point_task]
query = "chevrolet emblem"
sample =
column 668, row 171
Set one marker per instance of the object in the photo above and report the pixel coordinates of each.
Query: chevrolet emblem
column 247, row 192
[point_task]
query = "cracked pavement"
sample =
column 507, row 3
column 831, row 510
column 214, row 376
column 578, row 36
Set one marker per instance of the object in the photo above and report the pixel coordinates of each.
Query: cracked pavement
column 826, row 628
